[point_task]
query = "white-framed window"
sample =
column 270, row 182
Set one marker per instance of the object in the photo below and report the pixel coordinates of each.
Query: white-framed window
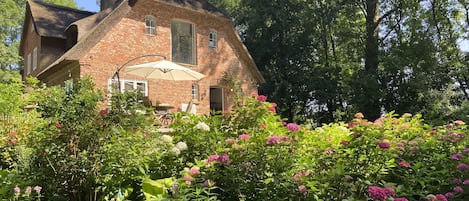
column 32, row 27
column 150, row 25
column 28, row 64
column 195, row 92
column 183, row 42
column 213, row 38
column 128, row 84
column 34, row 58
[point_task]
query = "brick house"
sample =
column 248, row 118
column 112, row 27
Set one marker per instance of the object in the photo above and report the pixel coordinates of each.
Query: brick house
column 60, row 44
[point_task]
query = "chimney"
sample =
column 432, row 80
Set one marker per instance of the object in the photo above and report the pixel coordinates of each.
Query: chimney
column 105, row 4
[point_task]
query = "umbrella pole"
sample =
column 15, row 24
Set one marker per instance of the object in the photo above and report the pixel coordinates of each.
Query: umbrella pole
column 116, row 74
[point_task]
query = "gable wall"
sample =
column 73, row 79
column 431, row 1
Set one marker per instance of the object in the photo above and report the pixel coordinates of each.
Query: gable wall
column 128, row 40
column 32, row 39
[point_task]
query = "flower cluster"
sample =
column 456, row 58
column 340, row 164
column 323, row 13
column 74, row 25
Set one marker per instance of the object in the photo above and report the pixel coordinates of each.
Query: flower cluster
column 277, row 139
column 293, row 127
column 378, row 193
column 300, row 175
column 202, row 126
column 221, row 158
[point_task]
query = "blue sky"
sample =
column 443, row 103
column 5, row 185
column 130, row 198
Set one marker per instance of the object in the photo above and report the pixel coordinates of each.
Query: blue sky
column 89, row 5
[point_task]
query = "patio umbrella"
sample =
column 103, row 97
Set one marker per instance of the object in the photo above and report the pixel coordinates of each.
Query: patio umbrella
column 165, row 70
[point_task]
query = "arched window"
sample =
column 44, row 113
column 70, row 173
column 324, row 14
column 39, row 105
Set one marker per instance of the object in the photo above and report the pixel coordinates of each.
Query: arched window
column 150, row 25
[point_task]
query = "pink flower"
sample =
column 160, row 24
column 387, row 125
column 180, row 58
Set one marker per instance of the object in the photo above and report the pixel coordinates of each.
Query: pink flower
column 458, row 189
column 17, row 190
column 466, row 182
column 58, row 125
column 345, row 142
column 384, row 145
column 103, row 112
column 377, row 193
column 194, row 171
column 188, row 183
column 400, row 199
column 293, row 127
column 213, row 158
column 459, row 122
column 456, row 157
column 13, row 134
column 261, row 98
column 302, row 189
column 462, row 166
column 404, row 164
column 273, row 140
column 272, row 109
column 263, row 126
column 440, row 197
column 449, row 195
column 244, row 137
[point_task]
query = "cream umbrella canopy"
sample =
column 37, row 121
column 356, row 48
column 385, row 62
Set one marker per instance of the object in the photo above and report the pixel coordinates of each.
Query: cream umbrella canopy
column 165, row 70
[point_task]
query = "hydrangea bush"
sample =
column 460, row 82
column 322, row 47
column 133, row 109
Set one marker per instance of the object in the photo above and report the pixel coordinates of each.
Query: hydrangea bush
column 76, row 150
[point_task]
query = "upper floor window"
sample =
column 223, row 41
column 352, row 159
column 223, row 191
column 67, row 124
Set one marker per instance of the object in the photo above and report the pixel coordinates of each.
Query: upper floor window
column 183, row 42
column 28, row 64
column 212, row 38
column 34, row 58
column 150, row 25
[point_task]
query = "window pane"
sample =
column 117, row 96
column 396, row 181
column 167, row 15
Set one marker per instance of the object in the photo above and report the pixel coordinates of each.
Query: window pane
column 182, row 35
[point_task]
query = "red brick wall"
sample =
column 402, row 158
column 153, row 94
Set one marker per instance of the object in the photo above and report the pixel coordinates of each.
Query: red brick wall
column 128, row 40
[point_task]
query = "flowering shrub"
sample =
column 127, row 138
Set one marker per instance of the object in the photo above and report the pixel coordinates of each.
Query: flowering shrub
column 76, row 150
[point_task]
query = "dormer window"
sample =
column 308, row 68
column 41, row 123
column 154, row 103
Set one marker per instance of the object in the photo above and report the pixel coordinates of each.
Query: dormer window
column 212, row 38
column 150, row 25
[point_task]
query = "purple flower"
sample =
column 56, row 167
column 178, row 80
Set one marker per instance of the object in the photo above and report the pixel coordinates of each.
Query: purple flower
column 458, row 189
column 440, row 197
column 377, row 193
column 224, row 158
column 466, row 182
column 293, row 127
column 244, row 137
column 208, row 183
column 466, row 150
column 384, row 145
column 17, row 190
column 449, row 195
column 456, row 157
column 400, row 199
column 37, row 189
column 456, row 181
column 463, row 166
column 345, row 142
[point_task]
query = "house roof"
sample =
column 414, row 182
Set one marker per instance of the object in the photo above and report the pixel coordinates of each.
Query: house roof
column 198, row 5
column 93, row 27
column 51, row 20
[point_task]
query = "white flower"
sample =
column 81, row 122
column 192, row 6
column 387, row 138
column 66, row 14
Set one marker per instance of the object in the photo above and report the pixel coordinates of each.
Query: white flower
column 175, row 151
column 182, row 146
column 343, row 128
column 202, row 126
column 167, row 138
